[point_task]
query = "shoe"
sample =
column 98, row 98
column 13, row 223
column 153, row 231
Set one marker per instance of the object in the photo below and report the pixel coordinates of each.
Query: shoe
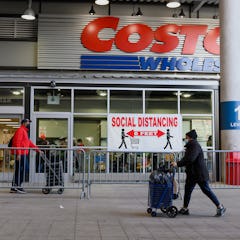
column 13, row 190
column 21, row 190
column 220, row 211
column 184, row 211
column 175, row 196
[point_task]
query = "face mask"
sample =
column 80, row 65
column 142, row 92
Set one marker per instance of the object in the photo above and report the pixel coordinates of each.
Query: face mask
column 186, row 141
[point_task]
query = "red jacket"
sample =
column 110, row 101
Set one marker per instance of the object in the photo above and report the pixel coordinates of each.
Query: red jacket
column 21, row 140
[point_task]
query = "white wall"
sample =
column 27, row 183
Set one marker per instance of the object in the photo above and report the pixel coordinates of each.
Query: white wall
column 18, row 53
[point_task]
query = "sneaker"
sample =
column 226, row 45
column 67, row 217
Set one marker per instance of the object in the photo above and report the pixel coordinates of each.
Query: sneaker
column 13, row 190
column 184, row 211
column 175, row 196
column 20, row 190
column 220, row 211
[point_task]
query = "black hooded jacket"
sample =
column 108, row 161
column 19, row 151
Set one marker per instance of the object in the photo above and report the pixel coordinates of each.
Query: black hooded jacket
column 193, row 160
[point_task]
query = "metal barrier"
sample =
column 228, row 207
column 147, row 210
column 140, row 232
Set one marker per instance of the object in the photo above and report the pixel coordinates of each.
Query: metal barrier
column 106, row 167
column 78, row 168
column 46, row 168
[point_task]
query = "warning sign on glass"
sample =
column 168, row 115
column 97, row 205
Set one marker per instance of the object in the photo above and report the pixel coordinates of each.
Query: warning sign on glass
column 145, row 132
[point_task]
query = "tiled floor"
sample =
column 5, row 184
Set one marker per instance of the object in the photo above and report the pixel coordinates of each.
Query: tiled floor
column 115, row 212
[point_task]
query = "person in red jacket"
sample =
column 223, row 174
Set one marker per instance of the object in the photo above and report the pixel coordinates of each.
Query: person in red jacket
column 21, row 144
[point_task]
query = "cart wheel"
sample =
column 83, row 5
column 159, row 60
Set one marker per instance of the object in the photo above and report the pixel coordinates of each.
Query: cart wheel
column 163, row 209
column 153, row 214
column 46, row 190
column 172, row 212
column 149, row 210
column 60, row 190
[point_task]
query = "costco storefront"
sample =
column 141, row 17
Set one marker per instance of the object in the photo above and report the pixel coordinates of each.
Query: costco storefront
column 90, row 67
column 106, row 65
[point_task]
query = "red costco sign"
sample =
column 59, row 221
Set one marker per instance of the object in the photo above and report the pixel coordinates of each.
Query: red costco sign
column 163, row 39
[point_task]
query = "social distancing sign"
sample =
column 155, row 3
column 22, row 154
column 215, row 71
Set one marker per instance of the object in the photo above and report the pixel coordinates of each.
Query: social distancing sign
column 145, row 132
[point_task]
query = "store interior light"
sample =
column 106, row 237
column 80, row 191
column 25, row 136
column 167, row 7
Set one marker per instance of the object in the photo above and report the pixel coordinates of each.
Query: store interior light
column 13, row 125
column 29, row 13
column 102, row 2
column 9, row 123
column 181, row 14
column 176, row 93
column 102, row 93
column 187, row 95
column 16, row 93
column 92, row 11
column 5, row 120
column 173, row 4
column 139, row 12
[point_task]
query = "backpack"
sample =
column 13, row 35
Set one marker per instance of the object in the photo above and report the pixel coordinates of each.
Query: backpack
column 11, row 142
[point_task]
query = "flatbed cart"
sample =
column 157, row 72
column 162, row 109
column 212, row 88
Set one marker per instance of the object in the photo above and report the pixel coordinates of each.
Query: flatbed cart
column 160, row 195
column 54, row 174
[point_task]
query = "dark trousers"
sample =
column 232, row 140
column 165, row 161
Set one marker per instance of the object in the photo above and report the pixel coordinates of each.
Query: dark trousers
column 190, row 185
column 20, row 170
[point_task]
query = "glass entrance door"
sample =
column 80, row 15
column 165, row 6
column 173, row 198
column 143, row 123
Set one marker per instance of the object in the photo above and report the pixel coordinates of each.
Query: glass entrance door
column 8, row 126
column 53, row 133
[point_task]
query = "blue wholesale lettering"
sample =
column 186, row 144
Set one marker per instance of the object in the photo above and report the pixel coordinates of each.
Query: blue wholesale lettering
column 168, row 63
column 151, row 63
column 143, row 63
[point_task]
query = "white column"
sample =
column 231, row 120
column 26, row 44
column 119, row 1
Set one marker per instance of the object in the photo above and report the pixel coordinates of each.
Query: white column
column 230, row 74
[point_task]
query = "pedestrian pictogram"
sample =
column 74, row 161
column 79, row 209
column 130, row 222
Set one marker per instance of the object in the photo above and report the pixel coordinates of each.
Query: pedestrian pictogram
column 123, row 136
column 168, row 139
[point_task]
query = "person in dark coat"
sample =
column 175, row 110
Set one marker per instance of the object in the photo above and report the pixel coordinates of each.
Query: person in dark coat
column 197, row 173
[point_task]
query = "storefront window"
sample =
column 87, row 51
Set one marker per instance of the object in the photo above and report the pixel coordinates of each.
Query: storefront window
column 161, row 102
column 126, row 101
column 11, row 96
column 203, row 126
column 52, row 100
column 92, row 130
column 90, row 101
column 52, row 133
column 195, row 102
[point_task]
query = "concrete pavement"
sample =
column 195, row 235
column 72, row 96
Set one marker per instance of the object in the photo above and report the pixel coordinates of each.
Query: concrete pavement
column 115, row 212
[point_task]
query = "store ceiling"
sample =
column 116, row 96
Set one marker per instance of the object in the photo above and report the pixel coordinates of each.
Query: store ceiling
column 202, row 2
column 164, row 1
column 196, row 5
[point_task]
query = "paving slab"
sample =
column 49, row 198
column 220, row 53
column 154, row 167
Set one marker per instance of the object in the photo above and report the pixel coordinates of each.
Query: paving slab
column 114, row 212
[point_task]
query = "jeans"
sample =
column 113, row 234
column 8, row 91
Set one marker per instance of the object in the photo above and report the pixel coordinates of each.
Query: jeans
column 21, row 167
column 190, row 185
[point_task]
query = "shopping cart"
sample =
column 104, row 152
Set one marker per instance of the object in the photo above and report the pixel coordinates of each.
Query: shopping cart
column 54, row 174
column 160, row 194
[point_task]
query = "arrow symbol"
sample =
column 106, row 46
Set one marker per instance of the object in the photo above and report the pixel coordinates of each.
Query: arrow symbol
column 131, row 133
column 157, row 133
column 160, row 133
